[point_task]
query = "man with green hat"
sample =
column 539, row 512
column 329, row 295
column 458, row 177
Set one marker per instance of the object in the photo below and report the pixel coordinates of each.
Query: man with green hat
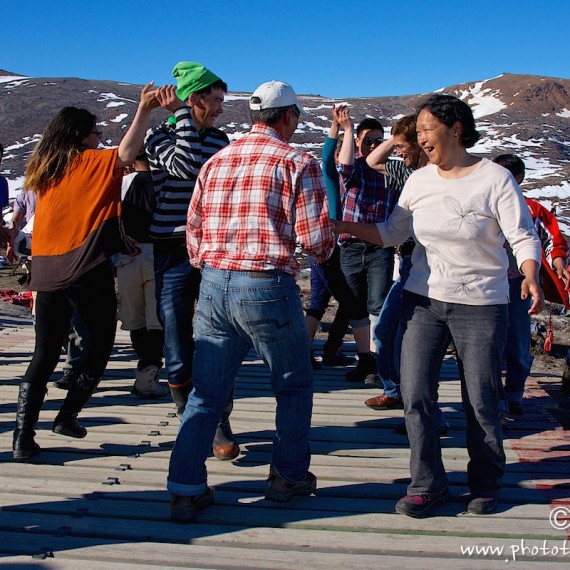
column 177, row 149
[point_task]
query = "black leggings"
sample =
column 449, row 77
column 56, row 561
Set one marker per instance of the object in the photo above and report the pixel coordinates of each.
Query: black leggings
column 93, row 296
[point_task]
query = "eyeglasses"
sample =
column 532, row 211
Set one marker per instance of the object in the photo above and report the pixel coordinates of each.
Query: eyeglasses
column 98, row 133
column 369, row 141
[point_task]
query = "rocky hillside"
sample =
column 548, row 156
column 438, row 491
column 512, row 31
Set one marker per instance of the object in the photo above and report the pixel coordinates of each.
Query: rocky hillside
column 525, row 114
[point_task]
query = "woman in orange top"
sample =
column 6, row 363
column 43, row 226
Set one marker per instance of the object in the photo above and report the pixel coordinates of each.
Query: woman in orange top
column 76, row 230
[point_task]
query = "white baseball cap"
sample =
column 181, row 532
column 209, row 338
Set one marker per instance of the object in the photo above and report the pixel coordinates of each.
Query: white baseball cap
column 275, row 94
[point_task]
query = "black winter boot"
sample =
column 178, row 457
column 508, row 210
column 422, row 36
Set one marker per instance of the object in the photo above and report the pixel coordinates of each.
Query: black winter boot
column 180, row 397
column 69, row 378
column 65, row 422
column 30, row 400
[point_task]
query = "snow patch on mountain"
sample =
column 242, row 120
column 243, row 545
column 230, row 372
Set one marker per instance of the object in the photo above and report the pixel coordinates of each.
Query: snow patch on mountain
column 119, row 118
column 483, row 101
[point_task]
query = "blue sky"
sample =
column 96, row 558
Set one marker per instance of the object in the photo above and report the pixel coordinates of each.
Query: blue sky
column 335, row 48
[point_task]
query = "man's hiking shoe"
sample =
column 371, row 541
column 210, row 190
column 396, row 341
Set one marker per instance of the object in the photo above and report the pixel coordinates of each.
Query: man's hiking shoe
column 337, row 359
column 418, row 506
column 281, row 491
column 184, row 509
column 147, row 385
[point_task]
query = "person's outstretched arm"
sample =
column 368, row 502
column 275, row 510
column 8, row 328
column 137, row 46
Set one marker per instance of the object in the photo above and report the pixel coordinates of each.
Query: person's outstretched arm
column 133, row 139
column 365, row 232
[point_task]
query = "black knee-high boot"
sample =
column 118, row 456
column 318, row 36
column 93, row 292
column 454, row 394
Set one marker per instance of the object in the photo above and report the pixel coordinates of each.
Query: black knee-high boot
column 65, row 422
column 30, row 400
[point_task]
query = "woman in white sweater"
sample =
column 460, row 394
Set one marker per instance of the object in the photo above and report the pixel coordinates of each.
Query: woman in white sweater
column 459, row 209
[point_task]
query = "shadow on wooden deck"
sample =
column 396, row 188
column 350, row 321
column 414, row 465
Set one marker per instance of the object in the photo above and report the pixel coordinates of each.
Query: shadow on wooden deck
column 101, row 502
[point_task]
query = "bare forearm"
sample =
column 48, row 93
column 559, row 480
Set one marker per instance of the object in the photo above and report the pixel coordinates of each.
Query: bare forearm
column 346, row 154
column 17, row 218
column 365, row 232
column 530, row 269
column 334, row 130
column 133, row 139
column 378, row 157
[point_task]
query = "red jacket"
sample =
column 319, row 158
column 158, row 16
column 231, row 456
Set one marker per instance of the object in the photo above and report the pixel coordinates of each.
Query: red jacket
column 553, row 245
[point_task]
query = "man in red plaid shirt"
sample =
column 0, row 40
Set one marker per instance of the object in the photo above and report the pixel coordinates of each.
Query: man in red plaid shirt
column 253, row 203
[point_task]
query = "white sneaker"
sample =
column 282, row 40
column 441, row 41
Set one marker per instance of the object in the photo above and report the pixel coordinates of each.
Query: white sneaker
column 147, row 384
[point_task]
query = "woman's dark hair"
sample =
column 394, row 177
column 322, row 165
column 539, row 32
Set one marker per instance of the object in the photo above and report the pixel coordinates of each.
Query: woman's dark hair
column 450, row 110
column 61, row 142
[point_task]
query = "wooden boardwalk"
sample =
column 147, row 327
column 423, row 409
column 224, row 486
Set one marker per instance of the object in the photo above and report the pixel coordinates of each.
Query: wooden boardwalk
column 101, row 502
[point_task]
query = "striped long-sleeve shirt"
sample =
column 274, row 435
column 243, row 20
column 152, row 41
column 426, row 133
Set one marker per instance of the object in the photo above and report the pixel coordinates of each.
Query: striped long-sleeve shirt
column 176, row 153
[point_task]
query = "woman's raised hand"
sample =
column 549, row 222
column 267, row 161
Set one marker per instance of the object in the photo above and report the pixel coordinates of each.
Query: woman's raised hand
column 148, row 97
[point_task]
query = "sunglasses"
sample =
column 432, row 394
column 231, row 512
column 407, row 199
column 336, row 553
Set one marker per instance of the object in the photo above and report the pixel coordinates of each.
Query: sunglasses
column 369, row 141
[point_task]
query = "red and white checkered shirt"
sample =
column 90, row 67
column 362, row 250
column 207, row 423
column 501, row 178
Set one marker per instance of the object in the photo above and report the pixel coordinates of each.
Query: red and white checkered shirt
column 253, row 202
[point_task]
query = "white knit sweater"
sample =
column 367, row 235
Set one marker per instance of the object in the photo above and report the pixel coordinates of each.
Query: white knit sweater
column 460, row 227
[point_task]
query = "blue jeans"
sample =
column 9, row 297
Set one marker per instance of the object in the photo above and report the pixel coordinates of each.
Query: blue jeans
column 368, row 270
column 517, row 350
column 328, row 280
column 387, row 337
column 479, row 334
column 177, row 284
column 238, row 311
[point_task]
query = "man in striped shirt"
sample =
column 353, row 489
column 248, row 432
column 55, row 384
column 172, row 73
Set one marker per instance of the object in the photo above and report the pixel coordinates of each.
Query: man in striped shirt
column 177, row 149
column 254, row 202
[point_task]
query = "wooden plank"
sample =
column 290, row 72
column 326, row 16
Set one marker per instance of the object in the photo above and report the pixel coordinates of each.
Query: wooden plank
column 59, row 499
column 95, row 553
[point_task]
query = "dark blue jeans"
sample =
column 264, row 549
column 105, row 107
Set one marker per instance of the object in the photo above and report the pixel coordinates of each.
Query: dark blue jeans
column 328, row 280
column 479, row 333
column 238, row 311
column 368, row 270
column 177, row 284
column 387, row 337
column 517, row 350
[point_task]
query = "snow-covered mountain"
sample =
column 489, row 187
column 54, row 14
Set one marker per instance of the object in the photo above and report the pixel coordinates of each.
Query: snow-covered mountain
column 525, row 114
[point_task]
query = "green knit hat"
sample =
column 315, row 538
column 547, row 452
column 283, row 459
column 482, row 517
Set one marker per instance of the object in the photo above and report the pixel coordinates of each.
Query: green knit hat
column 191, row 77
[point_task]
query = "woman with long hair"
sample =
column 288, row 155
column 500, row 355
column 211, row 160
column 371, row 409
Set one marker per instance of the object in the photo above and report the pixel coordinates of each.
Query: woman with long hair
column 459, row 208
column 76, row 231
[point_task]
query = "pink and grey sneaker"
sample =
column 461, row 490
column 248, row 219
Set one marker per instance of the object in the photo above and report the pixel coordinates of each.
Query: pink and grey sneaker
column 420, row 505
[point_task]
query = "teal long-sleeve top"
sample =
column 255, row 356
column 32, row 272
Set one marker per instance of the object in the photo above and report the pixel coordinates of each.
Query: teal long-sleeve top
column 332, row 182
